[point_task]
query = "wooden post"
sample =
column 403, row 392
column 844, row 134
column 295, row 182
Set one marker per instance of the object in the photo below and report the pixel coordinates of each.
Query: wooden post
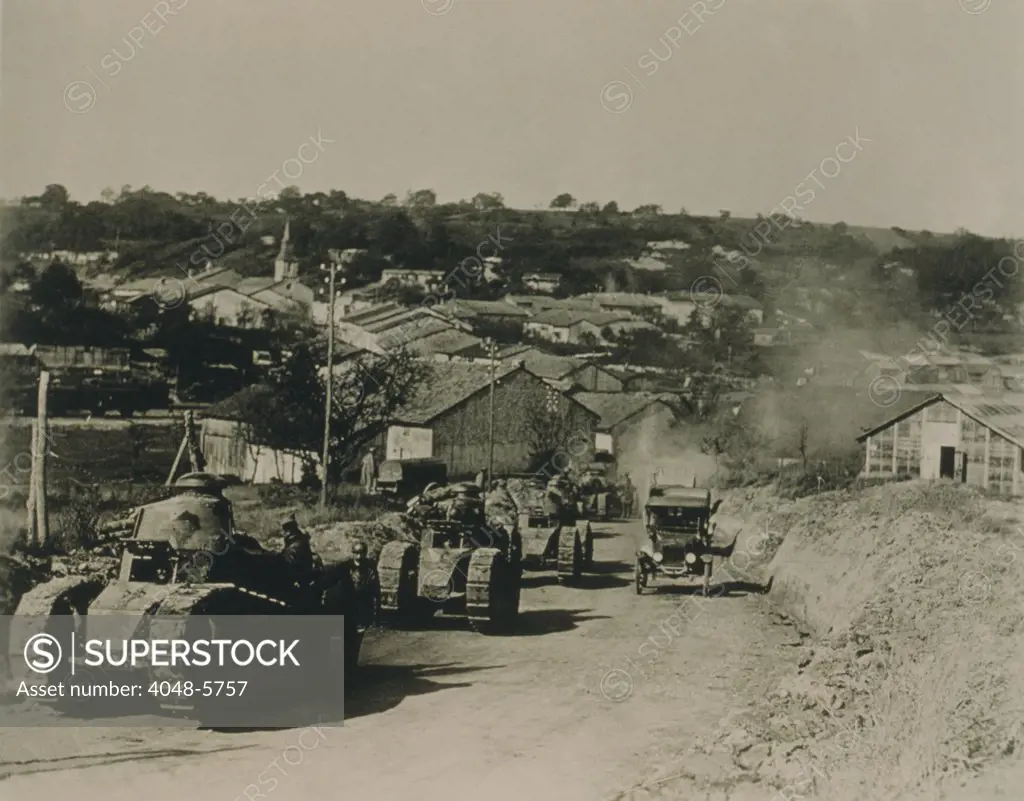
column 38, row 520
column 177, row 460
column 329, row 399
column 195, row 454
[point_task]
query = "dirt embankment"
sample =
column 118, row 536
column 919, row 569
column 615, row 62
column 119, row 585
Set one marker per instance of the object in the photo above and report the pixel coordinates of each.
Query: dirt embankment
column 908, row 670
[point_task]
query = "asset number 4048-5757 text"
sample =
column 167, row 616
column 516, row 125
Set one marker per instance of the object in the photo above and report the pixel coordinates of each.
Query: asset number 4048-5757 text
column 190, row 689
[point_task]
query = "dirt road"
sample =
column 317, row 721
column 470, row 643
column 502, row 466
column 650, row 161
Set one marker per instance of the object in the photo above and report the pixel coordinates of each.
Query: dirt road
column 600, row 693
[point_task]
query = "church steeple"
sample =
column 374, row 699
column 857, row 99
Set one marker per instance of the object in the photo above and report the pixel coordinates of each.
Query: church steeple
column 285, row 265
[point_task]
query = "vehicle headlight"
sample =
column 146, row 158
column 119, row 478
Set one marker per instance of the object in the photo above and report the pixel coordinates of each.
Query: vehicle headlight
column 690, row 557
column 659, row 557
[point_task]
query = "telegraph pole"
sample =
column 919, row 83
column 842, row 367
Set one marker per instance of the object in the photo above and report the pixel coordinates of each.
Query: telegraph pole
column 492, row 351
column 332, row 267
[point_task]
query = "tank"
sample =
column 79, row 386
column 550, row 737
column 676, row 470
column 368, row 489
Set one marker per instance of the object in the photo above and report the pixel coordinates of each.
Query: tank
column 553, row 534
column 184, row 557
column 462, row 566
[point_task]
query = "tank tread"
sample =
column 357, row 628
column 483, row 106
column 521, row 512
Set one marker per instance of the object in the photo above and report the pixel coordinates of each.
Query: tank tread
column 570, row 555
column 492, row 592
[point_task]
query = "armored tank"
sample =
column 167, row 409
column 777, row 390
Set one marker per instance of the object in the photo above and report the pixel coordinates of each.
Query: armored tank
column 554, row 535
column 184, row 557
column 462, row 566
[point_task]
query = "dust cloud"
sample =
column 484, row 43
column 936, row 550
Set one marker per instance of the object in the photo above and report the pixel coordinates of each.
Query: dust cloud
column 670, row 452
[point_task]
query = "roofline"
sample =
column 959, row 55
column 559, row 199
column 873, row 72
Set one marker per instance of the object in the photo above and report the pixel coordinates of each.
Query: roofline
column 939, row 396
column 519, row 367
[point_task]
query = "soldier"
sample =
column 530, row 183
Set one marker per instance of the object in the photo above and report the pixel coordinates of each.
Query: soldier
column 628, row 497
column 368, row 475
column 297, row 551
column 367, row 584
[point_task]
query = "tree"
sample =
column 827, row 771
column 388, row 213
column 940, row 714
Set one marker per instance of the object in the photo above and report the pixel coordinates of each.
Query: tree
column 389, row 200
column 549, row 434
column 840, row 228
column 421, row 199
column 287, row 413
column 589, row 209
column 724, row 214
column 647, row 210
column 563, row 201
column 108, row 195
column 57, row 288
column 484, row 201
column 54, row 198
column 611, row 207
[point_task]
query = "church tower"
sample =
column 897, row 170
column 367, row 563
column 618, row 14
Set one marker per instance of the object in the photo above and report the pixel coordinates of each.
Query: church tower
column 285, row 265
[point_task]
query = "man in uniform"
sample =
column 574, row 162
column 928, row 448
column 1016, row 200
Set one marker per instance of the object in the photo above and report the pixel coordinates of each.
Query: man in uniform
column 628, row 497
column 297, row 551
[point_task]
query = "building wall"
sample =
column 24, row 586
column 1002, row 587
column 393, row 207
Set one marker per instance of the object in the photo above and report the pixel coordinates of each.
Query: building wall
column 549, row 332
column 227, row 453
column 227, row 305
column 409, row 442
column 461, row 434
column 914, row 446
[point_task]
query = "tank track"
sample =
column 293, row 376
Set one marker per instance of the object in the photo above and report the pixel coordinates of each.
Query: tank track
column 488, row 576
column 570, row 555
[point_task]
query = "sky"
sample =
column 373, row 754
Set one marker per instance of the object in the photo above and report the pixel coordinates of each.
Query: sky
column 720, row 104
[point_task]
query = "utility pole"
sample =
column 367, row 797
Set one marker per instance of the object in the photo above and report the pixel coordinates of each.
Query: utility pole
column 492, row 351
column 332, row 267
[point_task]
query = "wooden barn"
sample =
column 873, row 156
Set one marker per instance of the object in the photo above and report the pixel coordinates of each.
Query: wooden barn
column 448, row 419
column 228, row 451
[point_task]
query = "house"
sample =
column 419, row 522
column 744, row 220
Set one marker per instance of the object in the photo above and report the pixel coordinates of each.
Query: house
column 392, row 326
column 643, row 306
column 428, row 279
column 578, row 373
column 630, row 422
column 228, row 451
column 482, row 311
column 542, row 282
column 572, row 325
column 961, row 433
column 448, row 418
column 228, row 307
column 681, row 305
column 535, row 304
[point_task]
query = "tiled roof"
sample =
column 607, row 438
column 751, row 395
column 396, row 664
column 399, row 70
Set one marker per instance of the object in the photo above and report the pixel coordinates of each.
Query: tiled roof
column 564, row 318
column 709, row 300
column 623, row 300
column 446, row 385
column 250, row 286
column 449, row 342
column 481, row 308
column 547, row 365
column 616, row 407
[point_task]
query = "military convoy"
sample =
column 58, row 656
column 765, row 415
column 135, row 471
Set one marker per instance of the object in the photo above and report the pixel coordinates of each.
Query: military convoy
column 461, row 566
column 184, row 558
column 554, row 534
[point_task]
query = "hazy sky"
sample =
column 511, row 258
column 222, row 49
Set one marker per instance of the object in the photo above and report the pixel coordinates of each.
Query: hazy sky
column 512, row 96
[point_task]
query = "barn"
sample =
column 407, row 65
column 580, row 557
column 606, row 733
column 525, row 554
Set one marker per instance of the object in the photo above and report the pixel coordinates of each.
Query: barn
column 448, row 419
column 963, row 434
column 229, row 452
column 629, row 421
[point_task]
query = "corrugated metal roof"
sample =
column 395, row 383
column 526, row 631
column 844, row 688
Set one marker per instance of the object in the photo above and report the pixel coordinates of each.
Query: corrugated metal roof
column 1003, row 412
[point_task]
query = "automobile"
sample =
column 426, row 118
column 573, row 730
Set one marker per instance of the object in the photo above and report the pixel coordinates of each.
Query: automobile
column 680, row 537
column 403, row 479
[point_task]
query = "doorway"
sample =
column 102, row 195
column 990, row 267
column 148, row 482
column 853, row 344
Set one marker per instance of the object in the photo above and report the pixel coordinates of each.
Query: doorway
column 947, row 462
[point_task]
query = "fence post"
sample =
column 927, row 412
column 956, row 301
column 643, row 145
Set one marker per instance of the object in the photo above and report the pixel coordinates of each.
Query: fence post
column 38, row 519
column 195, row 453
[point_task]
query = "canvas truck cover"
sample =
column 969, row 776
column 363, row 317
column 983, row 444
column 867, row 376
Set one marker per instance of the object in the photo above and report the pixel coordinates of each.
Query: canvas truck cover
column 669, row 497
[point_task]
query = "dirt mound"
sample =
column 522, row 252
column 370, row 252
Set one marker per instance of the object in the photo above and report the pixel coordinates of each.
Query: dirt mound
column 914, row 675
